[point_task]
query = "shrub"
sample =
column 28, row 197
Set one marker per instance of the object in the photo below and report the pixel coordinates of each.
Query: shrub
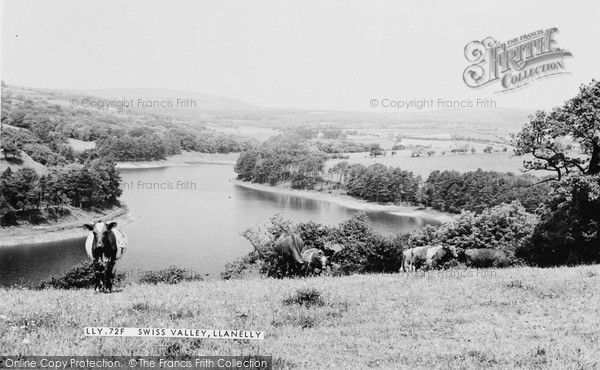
column 170, row 275
column 363, row 250
column 77, row 277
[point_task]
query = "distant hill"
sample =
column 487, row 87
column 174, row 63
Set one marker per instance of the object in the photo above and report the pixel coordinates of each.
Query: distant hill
column 235, row 112
column 196, row 101
column 227, row 112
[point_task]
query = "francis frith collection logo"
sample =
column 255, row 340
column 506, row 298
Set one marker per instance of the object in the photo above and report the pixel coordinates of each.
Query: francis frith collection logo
column 516, row 62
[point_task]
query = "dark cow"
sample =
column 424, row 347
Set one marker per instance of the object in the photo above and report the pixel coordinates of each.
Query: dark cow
column 485, row 257
column 105, row 245
column 288, row 247
column 314, row 259
column 438, row 256
column 331, row 248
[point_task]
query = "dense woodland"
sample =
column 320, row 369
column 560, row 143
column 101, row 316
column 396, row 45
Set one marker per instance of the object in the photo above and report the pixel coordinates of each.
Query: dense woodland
column 123, row 135
column 285, row 157
column 25, row 195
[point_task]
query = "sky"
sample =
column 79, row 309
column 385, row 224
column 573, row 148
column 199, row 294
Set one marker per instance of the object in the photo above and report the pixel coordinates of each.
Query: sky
column 333, row 55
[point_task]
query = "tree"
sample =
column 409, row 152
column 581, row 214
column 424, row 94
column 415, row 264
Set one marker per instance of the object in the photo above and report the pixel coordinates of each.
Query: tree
column 569, row 232
column 578, row 119
column 375, row 150
column 10, row 146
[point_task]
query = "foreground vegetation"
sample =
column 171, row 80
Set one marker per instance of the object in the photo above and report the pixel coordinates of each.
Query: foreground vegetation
column 508, row 318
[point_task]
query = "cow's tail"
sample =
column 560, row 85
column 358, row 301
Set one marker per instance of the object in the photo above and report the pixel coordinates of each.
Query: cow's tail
column 122, row 242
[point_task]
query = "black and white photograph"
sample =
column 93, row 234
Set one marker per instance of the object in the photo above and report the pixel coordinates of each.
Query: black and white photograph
column 268, row 184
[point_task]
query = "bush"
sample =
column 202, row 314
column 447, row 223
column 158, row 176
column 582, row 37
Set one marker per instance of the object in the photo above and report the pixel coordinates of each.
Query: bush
column 506, row 227
column 80, row 276
column 170, row 275
column 364, row 251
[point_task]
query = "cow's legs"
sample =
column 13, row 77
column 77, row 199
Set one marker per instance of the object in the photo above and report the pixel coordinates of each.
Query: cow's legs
column 109, row 275
column 97, row 275
column 284, row 268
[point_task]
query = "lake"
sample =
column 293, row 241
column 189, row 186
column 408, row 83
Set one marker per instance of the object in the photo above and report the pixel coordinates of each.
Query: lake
column 191, row 217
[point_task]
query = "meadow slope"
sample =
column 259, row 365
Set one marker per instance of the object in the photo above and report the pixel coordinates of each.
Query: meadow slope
column 511, row 318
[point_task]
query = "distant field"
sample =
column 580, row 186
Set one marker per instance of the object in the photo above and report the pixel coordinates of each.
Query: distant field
column 501, row 162
column 258, row 133
column 24, row 161
column 80, row 146
column 508, row 318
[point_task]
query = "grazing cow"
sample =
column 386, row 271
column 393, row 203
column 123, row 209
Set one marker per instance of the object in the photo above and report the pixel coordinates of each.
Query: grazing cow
column 437, row 256
column 314, row 259
column 414, row 258
column 407, row 259
column 427, row 257
column 288, row 247
column 105, row 245
column 485, row 257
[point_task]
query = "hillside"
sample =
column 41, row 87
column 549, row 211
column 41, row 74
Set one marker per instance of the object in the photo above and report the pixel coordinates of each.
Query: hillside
column 203, row 102
column 508, row 318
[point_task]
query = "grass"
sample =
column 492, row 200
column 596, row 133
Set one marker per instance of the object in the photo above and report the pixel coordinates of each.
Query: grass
column 509, row 318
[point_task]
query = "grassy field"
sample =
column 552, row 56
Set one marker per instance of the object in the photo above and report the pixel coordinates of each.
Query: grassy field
column 499, row 161
column 511, row 318
column 80, row 146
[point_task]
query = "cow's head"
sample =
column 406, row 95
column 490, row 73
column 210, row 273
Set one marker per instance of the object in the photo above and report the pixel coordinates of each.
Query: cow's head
column 319, row 257
column 452, row 250
column 100, row 230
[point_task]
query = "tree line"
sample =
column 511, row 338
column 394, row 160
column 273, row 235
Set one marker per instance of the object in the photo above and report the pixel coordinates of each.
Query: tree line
column 288, row 157
column 453, row 192
column 25, row 195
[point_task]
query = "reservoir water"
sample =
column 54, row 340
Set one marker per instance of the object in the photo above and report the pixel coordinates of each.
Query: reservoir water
column 191, row 217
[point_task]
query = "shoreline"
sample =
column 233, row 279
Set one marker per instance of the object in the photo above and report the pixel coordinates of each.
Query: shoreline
column 69, row 230
column 350, row 202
